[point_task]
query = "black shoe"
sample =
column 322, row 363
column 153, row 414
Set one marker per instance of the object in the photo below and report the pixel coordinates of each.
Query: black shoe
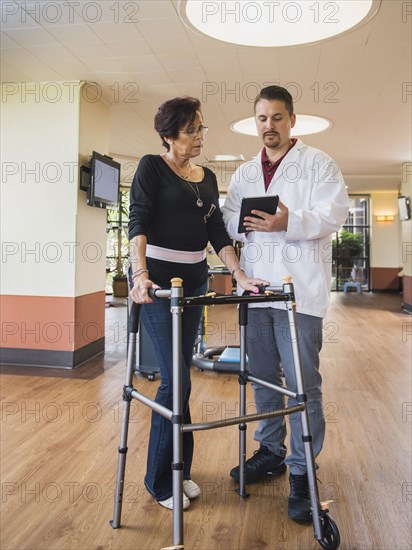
column 299, row 499
column 262, row 463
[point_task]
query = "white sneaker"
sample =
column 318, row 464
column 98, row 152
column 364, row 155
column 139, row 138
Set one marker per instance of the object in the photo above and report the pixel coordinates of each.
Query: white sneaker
column 168, row 503
column 190, row 488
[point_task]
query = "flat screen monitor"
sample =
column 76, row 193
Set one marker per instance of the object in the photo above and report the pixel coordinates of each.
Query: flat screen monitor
column 404, row 208
column 103, row 191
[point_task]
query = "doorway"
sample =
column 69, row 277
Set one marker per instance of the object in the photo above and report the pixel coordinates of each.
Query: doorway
column 350, row 246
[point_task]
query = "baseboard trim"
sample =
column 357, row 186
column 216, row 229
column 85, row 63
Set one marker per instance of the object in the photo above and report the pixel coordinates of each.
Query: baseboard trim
column 51, row 358
column 407, row 308
column 386, row 290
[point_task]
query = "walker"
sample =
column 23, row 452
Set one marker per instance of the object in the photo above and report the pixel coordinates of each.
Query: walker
column 325, row 530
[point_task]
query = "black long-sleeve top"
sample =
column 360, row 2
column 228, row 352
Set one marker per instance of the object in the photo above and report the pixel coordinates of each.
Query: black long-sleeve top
column 163, row 207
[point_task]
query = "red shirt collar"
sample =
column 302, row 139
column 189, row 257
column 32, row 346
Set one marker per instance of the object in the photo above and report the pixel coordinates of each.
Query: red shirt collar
column 266, row 159
column 269, row 168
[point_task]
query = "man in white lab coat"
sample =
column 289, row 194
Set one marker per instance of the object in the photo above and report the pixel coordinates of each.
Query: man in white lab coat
column 296, row 241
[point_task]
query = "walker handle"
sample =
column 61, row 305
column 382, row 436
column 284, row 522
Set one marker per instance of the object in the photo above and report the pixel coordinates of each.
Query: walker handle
column 176, row 282
column 134, row 316
column 156, row 293
column 264, row 289
column 261, row 290
column 134, row 311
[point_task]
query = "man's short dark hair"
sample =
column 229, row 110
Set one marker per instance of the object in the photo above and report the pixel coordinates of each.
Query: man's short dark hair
column 276, row 93
column 173, row 115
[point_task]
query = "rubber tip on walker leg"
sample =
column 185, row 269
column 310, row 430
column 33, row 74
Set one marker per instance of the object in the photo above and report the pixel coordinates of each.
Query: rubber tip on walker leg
column 179, row 547
column 244, row 495
column 114, row 526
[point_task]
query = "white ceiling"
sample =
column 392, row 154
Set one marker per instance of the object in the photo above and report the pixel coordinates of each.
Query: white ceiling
column 140, row 54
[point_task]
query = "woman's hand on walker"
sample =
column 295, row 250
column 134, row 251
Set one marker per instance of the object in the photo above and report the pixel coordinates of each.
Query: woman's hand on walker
column 248, row 283
column 140, row 290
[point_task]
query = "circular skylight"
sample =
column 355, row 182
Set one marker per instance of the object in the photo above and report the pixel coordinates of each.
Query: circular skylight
column 275, row 24
column 305, row 125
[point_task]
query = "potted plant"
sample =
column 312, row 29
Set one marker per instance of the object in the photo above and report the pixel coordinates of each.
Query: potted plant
column 115, row 219
column 347, row 247
column 345, row 250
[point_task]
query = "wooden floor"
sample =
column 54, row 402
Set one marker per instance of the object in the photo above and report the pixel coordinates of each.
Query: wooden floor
column 60, row 431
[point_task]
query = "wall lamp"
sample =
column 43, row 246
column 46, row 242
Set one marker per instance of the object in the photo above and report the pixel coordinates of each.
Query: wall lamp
column 385, row 218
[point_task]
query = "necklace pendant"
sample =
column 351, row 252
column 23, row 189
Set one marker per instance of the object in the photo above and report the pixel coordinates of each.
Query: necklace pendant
column 199, row 203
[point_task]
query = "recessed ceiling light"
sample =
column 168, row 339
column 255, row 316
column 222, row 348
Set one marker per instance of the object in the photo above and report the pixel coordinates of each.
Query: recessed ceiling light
column 305, row 125
column 275, row 24
column 226, row 158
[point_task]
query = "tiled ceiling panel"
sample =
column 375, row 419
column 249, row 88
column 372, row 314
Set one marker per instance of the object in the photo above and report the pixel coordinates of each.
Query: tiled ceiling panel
column 141, row 54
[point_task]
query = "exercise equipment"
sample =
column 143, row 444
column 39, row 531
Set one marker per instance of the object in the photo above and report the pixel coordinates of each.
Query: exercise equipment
column 225, row 359
column 325, row 530
column 220, row 359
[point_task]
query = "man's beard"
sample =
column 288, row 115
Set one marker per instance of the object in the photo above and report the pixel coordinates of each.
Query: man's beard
column 272, row 141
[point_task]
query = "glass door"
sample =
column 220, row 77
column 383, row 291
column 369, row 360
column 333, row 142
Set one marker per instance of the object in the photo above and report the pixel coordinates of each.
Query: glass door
column 350, row 246
column 117, row 251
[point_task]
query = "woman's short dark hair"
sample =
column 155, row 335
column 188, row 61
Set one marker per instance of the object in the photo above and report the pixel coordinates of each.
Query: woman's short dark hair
column 276, row 93
column 173, row 115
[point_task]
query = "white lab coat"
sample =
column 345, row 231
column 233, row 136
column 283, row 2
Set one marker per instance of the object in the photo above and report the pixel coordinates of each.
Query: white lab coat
column 311, row 185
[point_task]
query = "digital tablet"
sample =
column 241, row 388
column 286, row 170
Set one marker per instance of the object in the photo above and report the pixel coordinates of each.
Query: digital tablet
column 266, row 204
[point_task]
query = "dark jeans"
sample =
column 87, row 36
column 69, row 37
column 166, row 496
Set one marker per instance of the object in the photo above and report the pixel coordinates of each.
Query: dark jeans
column 157, row 320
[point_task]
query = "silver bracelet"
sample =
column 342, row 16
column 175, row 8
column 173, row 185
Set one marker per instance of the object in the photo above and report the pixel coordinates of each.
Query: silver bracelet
column 139, row 272
column 236, row 268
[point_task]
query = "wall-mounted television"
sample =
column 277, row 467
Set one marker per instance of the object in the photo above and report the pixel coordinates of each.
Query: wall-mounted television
column 101, row 179
column 404, row 207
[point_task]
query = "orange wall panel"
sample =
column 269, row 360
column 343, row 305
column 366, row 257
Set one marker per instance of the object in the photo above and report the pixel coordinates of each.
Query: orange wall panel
column 50, row 322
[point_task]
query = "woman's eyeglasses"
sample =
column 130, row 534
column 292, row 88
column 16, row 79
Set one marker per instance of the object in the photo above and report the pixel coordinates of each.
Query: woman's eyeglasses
column 195, row 131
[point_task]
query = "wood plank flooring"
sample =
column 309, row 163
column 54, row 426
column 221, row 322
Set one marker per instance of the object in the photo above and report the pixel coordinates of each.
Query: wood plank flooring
column 60, row 433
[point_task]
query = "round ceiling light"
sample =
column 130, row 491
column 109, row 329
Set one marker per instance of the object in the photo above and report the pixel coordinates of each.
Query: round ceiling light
column 275, row 24
column 305, row 125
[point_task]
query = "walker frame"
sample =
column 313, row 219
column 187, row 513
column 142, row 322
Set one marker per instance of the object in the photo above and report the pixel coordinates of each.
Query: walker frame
column 325, row 529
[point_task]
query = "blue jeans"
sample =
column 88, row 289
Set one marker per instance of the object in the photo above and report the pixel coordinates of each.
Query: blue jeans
column 157, row 320
column 270, row 350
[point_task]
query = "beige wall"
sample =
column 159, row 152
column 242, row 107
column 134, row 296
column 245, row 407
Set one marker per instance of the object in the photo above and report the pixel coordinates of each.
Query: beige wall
column 406, row 239
column 39, row 152
column 406, row 226
column 53, row 245
column 385, row 236
column 91, row 222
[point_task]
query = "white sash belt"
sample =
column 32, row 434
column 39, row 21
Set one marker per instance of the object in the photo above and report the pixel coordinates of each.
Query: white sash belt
column 176, row 256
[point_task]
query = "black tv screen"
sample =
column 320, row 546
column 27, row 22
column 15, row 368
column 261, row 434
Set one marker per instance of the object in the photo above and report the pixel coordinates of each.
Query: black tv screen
column 104, row 187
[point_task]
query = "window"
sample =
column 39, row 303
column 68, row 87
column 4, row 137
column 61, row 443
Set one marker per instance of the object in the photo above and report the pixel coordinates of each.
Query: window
column 350, row 246
column 116, row 230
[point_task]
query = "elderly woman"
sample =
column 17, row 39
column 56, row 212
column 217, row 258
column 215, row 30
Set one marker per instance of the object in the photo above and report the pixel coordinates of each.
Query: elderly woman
column 174, row 212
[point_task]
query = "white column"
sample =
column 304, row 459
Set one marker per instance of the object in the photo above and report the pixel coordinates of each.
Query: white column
column 53, row 245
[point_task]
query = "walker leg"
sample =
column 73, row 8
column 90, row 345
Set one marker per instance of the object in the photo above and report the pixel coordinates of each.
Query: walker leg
column 121, row 464
column 306, row 435
column 177, row 419
column 242, row 402
column 325, row 529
